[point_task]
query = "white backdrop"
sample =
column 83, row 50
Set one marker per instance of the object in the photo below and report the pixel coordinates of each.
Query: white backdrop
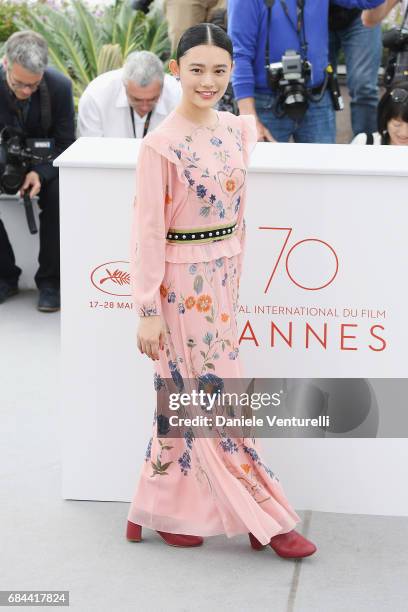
column 326, row 229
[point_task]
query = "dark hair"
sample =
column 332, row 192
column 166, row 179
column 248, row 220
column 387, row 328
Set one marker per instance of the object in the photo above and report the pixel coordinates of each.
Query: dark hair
column 390, row 109
column 204, row 34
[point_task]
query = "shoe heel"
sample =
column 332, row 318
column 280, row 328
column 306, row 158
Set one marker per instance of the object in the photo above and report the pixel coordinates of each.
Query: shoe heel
column 134, row 532
column 256, row 545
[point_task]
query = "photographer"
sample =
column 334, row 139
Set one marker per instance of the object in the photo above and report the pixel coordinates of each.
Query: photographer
column 128, row 102
column 362, row 52
column 37, row 101
column 395, row 40
column 281, row 71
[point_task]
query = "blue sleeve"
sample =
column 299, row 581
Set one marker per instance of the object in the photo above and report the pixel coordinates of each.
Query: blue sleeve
column 245, row 41
column 361, row 4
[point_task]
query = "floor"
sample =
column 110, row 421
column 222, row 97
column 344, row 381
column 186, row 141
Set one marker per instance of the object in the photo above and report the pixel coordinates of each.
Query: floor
column 79, row 546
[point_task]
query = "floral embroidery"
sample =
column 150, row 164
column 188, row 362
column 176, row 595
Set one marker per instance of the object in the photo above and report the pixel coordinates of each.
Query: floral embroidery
column 215, row 189
column 187, row 174
column 231, row 179
column 207, row 338
column 233, row 182
column 190, row 302
column 185, row 462
column 158, row 382
column 201, row 191
column 167, row 199
column 234, row 354
column 230, row 185
column 160, row 468
column 229, row 446
column 216, row 141
column 210, row 383
column 149, row 450
column 203, row 303
column 163, row 425
column 176, row 376
column 147, row 310
column 255, row 457
column 189, row 437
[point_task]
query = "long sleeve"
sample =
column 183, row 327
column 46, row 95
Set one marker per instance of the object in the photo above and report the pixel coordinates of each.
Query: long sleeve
column 249, row 140
column 148, row 234
column 245, row 41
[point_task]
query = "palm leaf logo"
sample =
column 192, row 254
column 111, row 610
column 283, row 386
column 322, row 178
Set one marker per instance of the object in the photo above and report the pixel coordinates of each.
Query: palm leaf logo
column 119, row 277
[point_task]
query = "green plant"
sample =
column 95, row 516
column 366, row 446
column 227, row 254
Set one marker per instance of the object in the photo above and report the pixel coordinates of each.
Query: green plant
column 83, row 44
column 9, row 12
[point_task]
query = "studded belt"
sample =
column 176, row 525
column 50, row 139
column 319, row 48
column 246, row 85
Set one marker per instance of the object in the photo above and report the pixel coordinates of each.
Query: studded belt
column 200, row 234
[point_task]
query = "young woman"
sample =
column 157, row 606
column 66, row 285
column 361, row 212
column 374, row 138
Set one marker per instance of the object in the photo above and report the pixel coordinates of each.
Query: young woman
column 188, row 237
column 392, row 119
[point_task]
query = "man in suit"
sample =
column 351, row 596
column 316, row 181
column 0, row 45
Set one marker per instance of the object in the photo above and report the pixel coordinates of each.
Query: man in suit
column 38, row 101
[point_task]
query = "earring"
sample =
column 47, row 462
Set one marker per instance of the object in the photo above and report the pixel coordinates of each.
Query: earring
column 177, row 78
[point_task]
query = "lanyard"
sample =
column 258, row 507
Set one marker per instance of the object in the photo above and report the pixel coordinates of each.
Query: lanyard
column 146, row 123
column 299, row 27
column 300, row 4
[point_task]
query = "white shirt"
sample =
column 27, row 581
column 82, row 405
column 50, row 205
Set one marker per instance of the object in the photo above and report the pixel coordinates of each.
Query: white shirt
column 361, row 139
column 103, row 109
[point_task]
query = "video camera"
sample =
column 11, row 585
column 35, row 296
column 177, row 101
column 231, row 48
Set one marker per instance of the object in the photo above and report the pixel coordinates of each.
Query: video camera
column 17, row 155
column 396, row 41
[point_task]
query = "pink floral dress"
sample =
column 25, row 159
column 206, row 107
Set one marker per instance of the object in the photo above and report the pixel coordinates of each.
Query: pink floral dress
column 188, row 236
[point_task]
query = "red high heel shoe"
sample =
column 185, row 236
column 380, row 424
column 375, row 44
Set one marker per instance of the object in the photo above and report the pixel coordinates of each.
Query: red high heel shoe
column 291, row 545
column 134, row 534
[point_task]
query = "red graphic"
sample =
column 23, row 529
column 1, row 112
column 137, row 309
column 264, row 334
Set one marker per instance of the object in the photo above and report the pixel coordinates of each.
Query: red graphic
column 110, row 276
column 297, row 245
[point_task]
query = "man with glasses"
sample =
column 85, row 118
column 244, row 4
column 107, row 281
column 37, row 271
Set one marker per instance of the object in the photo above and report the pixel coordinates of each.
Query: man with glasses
column 37, row 101
column 129, row 102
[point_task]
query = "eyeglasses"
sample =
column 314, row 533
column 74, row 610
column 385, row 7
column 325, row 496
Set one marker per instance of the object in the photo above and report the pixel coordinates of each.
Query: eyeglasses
column 399, row 95
column 19, row 85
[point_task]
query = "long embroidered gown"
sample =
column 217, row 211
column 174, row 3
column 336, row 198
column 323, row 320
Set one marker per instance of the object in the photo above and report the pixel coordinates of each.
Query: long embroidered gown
column 191, row 179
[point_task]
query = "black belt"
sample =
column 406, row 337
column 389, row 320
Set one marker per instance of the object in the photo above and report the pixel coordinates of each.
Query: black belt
column 197, row 234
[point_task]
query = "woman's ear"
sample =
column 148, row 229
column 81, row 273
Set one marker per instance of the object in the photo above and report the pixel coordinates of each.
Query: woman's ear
column 173, row 67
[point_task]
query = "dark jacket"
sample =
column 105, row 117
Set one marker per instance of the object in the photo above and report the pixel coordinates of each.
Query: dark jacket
column 62, row 128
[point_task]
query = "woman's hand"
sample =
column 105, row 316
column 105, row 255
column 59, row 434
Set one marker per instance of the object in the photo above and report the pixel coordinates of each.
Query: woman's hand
column 150, row 336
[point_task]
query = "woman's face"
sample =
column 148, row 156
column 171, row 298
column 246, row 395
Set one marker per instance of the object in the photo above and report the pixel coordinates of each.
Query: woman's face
column 205, row 72
column 398, row 131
